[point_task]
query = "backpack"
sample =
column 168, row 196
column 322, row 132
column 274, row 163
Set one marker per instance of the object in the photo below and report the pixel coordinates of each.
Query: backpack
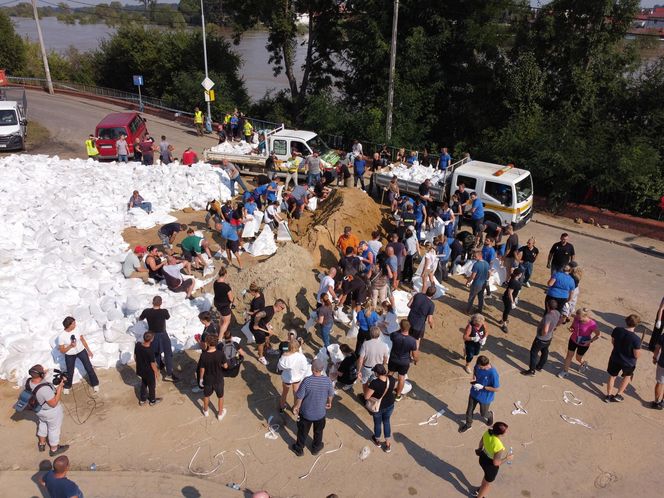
column 232, row 359
column 28, row 398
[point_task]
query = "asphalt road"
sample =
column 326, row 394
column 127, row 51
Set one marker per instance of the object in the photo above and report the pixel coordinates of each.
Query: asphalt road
column 70, row 120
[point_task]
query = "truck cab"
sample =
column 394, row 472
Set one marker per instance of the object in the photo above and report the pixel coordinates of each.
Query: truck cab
column 505, row 191
column 13, row 125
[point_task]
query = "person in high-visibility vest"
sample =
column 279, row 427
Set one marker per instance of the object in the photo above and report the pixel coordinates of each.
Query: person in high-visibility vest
column 198, row 121
column 248, row 131
column 227, row 126
column 91, row 147
column 292, row 166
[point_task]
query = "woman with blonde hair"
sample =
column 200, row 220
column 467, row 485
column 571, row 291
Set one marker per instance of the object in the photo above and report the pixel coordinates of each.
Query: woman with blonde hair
column 570, row 305
column 294, row 367
column 583, row 327
column 474, row 337
column 366, row 318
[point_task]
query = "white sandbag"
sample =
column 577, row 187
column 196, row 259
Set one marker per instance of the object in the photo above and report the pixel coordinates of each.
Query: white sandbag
column 247, row 333
column 312, row 204
column 311, row 321
column 465, row 269
column 341, row 317
column 353, row 330
column 283, row 232
column 401, row 300
column 336, row 356
column 264, row 245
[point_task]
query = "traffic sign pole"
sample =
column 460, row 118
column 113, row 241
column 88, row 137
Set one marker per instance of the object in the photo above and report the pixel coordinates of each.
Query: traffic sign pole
column 138, row 81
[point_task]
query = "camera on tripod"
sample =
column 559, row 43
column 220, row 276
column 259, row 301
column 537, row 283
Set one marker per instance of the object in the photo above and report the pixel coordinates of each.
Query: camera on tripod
column 58, row 376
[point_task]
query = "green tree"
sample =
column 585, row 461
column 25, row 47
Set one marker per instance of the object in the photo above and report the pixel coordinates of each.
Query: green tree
column 12, row 48
column 280, row 19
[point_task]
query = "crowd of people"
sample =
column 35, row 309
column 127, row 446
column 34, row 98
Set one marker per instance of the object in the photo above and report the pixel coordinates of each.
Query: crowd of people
column 363, row 285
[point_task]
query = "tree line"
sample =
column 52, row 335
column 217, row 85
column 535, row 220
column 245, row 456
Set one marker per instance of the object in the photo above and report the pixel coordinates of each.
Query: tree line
column 557, row 90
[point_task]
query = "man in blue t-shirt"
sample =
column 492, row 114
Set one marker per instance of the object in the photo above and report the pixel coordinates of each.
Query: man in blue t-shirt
column 230, row 235
column 445, row 159
column 360, row 166
column 56, row 481
column 476, row 213
column 477, row 281
column 485, row 384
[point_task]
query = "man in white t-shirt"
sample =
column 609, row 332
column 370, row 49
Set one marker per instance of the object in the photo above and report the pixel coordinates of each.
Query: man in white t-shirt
column 272, row 216
column 373, row 352
column 74, row 347
column 327, row 286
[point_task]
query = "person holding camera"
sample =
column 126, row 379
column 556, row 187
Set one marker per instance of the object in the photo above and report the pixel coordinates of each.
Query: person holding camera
column 73, row 347
column 51, row 414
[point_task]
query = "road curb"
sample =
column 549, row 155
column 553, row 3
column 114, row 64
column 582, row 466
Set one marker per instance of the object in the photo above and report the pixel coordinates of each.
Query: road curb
column 646, row 250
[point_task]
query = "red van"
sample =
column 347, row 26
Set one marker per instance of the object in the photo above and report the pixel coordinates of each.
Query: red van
column 112, row 126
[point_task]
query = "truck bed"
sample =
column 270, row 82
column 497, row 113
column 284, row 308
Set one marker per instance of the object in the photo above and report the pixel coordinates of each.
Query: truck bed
column 409, row 187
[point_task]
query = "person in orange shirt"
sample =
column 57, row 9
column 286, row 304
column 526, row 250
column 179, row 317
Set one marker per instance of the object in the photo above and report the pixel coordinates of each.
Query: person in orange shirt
column 347, row 239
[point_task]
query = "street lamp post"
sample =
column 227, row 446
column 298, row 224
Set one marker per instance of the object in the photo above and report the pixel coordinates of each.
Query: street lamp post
column 208, row 119
column 393, row 59
column 47, row 71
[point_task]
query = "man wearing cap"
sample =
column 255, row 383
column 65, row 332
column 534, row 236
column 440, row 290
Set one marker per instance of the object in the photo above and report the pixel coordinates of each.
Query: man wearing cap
column 132, row 267
column 50, row 415
column 168, row 232
column 314, row 398
column 346, row 240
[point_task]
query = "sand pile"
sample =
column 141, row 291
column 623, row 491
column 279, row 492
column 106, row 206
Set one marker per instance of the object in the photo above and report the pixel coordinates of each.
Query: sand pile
column 347, row 206
column 288, row 275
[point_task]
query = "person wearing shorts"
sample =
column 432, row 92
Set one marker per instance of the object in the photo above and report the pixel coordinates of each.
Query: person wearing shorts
column 404, row 350
column 421, row 313
column 493, row 454
column 223, row 300
column 262, row 330
column 658, row 359
column 626, row 351
column 584, row 332
column 211, row 375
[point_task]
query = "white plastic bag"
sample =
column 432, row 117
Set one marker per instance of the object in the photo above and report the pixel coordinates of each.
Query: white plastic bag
column 247, row 333
column 283, row 232
column 264, row 245
column 353, row 330
column 311, row 322
column 341, row 317
column 312, row 204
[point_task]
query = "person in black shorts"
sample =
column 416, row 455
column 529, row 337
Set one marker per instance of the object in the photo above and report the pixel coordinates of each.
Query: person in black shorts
column 492, row 455
column 404, row 350
column 262, row 330
column 626, row 350
column 211, row 375
column 223, row 300
column 421, row 313
column 510, row 297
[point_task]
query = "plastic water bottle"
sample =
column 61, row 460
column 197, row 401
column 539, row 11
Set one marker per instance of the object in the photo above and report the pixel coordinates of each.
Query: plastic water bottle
column 233, row 485
column 510, row 453
column 364, row 454
column 93, row 467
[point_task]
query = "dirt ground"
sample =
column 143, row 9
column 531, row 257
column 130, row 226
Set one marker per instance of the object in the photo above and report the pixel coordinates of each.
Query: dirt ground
column 147, row 451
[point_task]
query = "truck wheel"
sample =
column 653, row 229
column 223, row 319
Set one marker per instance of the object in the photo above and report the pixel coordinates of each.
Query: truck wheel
column 494, row 218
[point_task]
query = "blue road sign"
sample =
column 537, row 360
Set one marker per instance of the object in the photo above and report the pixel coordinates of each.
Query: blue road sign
column 138, row 80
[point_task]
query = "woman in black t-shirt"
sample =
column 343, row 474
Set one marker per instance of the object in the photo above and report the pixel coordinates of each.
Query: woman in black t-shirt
column 223, row 300
column 382, row 386
column 510, row 296
column 347, row 369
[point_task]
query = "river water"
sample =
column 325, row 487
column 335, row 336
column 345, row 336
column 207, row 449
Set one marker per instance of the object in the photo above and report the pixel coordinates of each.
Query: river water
column 256, row 71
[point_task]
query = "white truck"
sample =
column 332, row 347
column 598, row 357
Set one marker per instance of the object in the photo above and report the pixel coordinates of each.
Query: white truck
column 505, row 191
column 13, row 121
column 282, row 142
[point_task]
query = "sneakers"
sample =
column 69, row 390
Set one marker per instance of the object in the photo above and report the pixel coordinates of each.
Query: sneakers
column 562, row 374
column 296, row 451
column 654, row 405
column 504, row 328
column 467, row 369
column 263, row 360
column 583, row 367
column 347, row 387
column 316, row 451
column 608, row 398
column 527, row 284
column 476, row 492
column 196, row 389
column 66, row 391
column 618, row 398
column 61, row 449
column 398, row 398
column 156, row 401
column 489, row 421
column 141, row 402
column 221, row 416
column 464, row 428
column 95, row 388
column 375, row 441
column 206, row 413
column 171, row 378
column 388, row 448
column 529, row 373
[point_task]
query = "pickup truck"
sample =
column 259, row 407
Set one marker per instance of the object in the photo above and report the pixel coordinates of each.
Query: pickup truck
column 282, row 142
column 505, row 191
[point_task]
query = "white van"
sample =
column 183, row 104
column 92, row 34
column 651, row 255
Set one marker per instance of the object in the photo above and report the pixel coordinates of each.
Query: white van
column 505, row 191
column 13, row 125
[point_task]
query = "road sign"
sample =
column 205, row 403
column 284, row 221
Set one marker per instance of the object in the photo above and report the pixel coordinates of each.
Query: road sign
column 207, row 83
column 138, row 80
column 209, row 96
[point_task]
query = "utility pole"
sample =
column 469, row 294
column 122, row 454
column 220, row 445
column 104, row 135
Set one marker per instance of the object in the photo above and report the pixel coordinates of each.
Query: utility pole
column 208, row 117
column 47, row 71
column 393, row 60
